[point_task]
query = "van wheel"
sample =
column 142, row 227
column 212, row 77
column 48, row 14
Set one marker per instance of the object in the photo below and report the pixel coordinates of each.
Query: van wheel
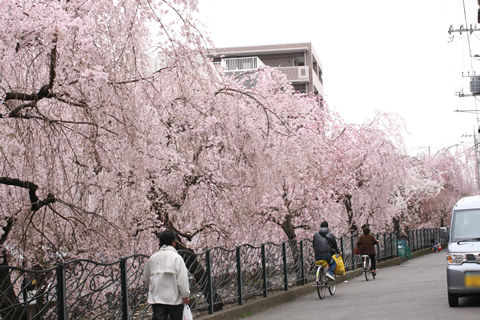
column 452, row 300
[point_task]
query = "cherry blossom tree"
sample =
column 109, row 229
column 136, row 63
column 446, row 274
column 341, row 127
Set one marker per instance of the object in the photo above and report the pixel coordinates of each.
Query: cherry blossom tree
column 115, row 124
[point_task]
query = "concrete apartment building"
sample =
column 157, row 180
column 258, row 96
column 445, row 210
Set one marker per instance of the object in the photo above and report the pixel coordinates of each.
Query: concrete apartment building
column 297, row 60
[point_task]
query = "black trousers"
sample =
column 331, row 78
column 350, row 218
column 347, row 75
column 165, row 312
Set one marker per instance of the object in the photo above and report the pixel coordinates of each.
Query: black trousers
column 373, row 262
column 162, row 311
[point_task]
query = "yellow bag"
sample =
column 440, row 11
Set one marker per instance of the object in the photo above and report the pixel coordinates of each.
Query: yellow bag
column 340, row 268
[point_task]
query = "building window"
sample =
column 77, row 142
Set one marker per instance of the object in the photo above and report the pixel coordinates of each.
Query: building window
column 299, row 61
column 300, row 87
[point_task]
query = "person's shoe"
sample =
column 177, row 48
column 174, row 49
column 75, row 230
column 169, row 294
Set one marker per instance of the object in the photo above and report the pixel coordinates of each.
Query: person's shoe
column 330, row 276
column 374, row 272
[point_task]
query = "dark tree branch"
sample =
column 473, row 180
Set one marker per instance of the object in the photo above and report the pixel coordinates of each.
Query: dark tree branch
column 20, row 96
column 302, row 226
column 44, row 92
column 73, row 103
column 49, row 199
column 32, row 189
column 15, row 113
column 138, row 79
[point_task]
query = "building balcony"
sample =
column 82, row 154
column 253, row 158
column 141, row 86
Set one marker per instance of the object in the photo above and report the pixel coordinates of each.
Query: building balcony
column 239, row 64
column 295, row 74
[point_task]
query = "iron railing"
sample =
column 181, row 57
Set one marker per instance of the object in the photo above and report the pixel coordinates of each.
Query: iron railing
column 85, row 289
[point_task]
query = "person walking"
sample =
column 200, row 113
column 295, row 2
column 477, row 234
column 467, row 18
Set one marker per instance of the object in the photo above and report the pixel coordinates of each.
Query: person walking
column 366, row 245
column 166, row 278
column 325, row 245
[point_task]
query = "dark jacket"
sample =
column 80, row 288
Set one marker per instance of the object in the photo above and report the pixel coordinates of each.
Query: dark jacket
column 324, row 244
column 366, row 244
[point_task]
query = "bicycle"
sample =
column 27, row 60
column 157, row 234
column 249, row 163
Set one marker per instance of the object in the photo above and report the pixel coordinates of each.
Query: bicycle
column 321, row 280
column 367, row 271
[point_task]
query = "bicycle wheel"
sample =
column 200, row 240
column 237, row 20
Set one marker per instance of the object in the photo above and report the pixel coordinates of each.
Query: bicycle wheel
column 321, row 283
column 366, row 269
column 332, row 286
column 367, row 273
column 321, row 289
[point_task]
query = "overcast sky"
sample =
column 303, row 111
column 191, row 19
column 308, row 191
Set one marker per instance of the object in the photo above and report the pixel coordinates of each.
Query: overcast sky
column 394, row 56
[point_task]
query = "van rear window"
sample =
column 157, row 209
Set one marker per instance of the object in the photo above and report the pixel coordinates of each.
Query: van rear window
column 466, row 225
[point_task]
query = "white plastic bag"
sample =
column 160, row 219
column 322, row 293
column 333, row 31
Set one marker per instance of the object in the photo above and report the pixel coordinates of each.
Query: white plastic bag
column 187, row 314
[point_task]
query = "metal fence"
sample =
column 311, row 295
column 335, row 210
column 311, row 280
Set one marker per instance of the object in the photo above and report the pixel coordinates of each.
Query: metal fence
column 85, row 289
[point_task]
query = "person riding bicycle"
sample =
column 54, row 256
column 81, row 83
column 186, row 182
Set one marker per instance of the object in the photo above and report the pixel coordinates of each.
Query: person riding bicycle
column 325, row 245
column 366, row 245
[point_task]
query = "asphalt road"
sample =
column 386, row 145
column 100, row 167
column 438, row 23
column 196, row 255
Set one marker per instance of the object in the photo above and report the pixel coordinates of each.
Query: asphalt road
column 415, row 289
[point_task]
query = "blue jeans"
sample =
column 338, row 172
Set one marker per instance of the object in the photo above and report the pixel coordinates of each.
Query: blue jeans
column 332, row 265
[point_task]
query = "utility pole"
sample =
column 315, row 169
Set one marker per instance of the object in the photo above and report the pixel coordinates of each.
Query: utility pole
column 477, row 167
column 478, row 15
column 474, row 85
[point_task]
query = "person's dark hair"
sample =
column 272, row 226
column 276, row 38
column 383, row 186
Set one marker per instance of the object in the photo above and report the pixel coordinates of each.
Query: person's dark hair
column 324, row 224
column 167, row 237
column 366, row 231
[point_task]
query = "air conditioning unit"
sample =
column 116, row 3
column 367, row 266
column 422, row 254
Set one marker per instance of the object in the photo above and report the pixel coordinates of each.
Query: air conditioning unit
column 302, row 72
column 475, row 85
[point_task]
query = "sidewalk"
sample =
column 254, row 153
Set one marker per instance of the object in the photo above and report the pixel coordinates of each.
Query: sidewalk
column 258, row 304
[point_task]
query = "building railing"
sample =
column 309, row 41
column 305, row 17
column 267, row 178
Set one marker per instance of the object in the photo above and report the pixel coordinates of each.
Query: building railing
column 240, row 64
column 85, row 289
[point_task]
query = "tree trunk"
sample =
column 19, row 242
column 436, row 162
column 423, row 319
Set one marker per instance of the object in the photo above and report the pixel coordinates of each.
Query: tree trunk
column 396, row 226
column 289, row 230
column 11, row 308
column 347, row 201
column 199, row 274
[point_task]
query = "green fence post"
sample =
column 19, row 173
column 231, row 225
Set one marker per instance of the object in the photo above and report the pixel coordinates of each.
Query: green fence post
column 384, row 246
column 239, row 277
column 389, row 241
column 124, row 288
column 285, row 267
column 426, row 238
column 408, row 240
column 429, row 237
column 392, row 238
column 341, row 245
column 422, row 238
column 353, row 255
column 414, row 238
column 209, row 282
column 61, row 292
column 414, row 235
column 302, row 263
column 418, row 239
column 264, row 272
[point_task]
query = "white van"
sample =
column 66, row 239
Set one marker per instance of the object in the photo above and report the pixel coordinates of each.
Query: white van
column 463, row 268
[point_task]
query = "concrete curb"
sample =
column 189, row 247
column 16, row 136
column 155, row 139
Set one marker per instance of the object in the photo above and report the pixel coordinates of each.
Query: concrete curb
column 278, row 298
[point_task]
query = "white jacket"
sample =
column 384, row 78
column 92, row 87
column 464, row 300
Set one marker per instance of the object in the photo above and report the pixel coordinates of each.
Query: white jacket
column 166, row 277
